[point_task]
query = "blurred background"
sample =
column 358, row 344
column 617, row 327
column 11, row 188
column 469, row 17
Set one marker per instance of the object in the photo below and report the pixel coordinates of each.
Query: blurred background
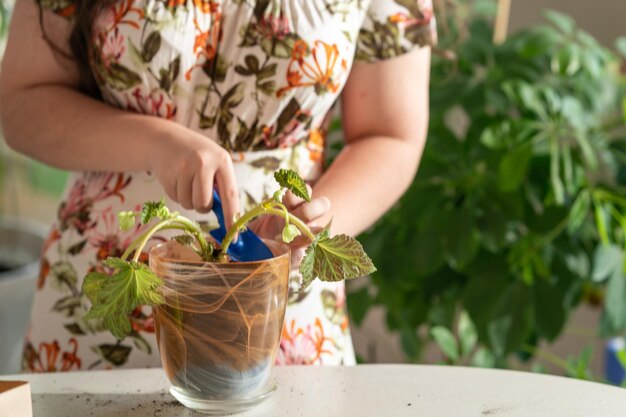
column 508, row 250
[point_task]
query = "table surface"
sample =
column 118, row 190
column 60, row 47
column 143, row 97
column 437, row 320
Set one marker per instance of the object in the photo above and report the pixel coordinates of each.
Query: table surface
column 360, row 391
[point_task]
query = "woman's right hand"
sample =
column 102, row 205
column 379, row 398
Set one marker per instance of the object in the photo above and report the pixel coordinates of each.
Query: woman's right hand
column 188, row 165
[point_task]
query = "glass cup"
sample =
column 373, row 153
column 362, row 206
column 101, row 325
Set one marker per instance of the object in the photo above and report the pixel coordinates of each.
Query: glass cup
column 219, row 330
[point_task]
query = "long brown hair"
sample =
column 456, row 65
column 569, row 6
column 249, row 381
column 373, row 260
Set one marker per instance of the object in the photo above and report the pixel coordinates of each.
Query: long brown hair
column 83, row 13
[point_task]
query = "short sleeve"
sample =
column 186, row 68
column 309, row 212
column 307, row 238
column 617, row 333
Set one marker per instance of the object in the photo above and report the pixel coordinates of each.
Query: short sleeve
column 393, row 27
column 65, row 8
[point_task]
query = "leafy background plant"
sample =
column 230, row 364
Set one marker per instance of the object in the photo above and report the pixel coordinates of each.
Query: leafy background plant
column 518, row 213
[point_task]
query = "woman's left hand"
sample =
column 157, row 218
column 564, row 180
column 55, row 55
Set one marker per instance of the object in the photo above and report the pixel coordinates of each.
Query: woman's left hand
column 271, row 227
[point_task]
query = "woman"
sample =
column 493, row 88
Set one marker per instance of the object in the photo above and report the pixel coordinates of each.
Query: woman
column 145, row 98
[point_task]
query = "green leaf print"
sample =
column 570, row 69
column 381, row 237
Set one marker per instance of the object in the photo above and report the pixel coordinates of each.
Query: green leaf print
column 216, row 68
column 67, row 305
column 268, row 163
column 64, row 276
column 233, row 97
column 151, row 46
column 74, row 329
column 168, row 75
column 119, row 77
column 117, row 354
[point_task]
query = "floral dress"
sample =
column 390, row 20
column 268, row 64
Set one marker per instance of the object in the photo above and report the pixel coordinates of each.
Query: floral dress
column 258, row 77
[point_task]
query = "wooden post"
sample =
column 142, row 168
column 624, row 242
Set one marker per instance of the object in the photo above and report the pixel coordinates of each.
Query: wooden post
column 502, row 21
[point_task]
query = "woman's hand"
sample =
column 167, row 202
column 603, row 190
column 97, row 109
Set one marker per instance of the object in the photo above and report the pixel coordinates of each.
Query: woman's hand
column 188, row 165
column 271, row 227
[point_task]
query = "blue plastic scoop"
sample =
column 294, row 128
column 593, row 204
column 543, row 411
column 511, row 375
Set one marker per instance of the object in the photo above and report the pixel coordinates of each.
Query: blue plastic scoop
column 248, row 247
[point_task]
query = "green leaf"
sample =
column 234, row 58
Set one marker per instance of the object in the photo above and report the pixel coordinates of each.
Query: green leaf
column 467, row 334
column 565, row 23
column 334, row 259
column 289, row 179
column 120, row 77
column 126, row 220
column 615, row 299
column 74, row 329
column 114, row 297
column 77, row 247
column 117, row 355
column 510, row 325
column 151, row 46
column 606, row 260
column 579, row 211
column 154, row 210
column 459, row 239
column 484, row 358
column 549, row 309
column 290, row 232
column 233, row 97
column 620, row 45
column 513, row 168
column 446, row 342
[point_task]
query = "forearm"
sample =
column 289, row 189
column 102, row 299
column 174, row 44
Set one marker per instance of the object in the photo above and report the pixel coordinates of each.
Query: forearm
column 68, row 130
column 365, row 180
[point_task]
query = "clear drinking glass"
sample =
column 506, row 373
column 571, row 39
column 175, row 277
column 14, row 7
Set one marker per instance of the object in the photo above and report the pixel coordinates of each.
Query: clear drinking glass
column 219, row 330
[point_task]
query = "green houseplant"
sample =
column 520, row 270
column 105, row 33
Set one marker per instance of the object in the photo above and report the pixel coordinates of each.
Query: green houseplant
column 218, row 320
column 518, row 212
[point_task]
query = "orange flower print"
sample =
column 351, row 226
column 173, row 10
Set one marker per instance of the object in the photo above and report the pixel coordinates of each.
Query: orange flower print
column 423, row 16
column 175, row 3
column 47, row 358
column 315, row 145
column 207, row 41
column 117, row 14
column 318, row 72
column 303, row 346
column 205, row 6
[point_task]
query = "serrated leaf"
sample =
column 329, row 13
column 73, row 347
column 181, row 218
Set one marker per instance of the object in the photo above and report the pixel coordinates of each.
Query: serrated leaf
column 334, row 259
column 126, row 220
column 114, row 297
column 290, row 232
column 289, row 179
column 153, row 210
column 446, row 342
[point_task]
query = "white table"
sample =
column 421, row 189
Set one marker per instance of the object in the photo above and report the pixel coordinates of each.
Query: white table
column 361, row 391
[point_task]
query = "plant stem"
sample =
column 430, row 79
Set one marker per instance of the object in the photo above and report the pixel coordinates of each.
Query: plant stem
column 144, row 239
column 169, row 223
column 269, row 206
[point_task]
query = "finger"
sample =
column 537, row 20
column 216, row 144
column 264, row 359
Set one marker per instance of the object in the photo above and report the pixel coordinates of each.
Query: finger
column 229, row 195
column 170, row 190
column 292, row 201
column 312, row 211
column 202, row 187
column 183, row 190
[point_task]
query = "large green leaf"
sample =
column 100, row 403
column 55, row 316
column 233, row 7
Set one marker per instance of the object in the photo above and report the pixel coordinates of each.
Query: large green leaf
column 335, row 259
column 114, row 297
